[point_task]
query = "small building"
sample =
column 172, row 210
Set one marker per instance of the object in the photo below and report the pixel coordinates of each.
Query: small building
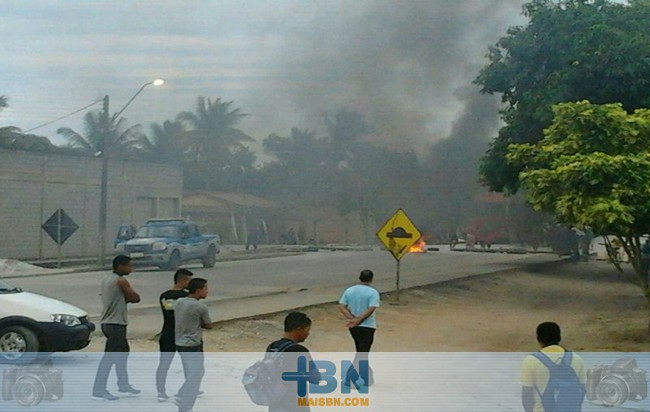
column 231, row 215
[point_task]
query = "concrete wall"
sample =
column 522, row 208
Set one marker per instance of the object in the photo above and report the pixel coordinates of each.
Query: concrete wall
column 35, row 186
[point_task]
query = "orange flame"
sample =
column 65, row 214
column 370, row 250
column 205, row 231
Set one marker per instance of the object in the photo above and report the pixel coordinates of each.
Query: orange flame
column 419, row 247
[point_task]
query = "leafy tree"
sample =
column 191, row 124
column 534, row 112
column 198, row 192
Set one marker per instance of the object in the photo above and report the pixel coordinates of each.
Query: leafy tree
column 12, row 137
column 302, row 166
column 344, row 130
column 236, row 172
column 302, row 149
column 165, row 143
column 103, row 134
column 7, row 133
column 211, row 139
column 376, row 182
column 592, row 168
column 211, row 132
column 570, row 50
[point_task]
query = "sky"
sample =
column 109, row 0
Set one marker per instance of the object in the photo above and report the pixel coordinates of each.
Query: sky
column 406, row 64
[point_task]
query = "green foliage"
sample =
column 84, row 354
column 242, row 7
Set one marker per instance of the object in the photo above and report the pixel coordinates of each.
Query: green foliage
column 104, row 134
column 591, row 168
column 214, row 147
column 165, row 143
column 344, row 131
column 12, row 137
column 211, row 132
column 570, row 50
column 340, row 169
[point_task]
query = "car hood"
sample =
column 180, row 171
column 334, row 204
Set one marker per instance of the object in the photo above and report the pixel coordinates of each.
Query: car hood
column 36, row 306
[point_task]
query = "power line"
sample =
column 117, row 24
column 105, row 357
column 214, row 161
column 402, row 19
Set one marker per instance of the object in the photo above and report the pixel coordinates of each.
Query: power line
column 62, row 117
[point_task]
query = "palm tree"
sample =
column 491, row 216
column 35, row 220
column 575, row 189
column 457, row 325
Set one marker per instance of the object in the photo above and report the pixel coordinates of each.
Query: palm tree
column 104, row 135
column 344, row 132
column 8, row 133
column 166, row 142
column 302, row 150
column 211, row 134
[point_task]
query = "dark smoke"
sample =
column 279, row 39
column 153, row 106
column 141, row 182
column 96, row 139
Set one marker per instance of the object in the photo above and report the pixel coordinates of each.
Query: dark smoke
column 401, row 63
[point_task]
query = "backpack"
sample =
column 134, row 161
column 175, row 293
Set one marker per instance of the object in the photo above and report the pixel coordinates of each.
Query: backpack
column 564, row 392
column 263, row 381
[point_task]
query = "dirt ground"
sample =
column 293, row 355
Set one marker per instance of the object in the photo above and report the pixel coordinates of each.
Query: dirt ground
column 596, row 307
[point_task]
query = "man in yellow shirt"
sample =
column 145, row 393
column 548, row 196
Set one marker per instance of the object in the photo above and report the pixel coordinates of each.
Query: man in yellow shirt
column 544, row 372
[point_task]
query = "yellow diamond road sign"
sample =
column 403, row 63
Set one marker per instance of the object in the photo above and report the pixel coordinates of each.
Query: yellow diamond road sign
column 399, row 234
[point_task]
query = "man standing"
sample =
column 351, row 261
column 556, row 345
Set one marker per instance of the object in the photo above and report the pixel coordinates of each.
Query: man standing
column 253, row 237
column 539, row 371
column 297, row 327
column 358, row 304
column 167, row 339
column 191, row 316
column 116, row 293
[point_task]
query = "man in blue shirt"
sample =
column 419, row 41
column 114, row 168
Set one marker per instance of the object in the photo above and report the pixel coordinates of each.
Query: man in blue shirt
column 358, row 304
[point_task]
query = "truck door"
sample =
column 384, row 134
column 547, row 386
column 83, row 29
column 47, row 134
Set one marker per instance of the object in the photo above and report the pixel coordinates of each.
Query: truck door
column 194, row 241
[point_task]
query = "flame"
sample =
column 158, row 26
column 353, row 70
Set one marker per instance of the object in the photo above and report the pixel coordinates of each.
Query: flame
column 419, row 247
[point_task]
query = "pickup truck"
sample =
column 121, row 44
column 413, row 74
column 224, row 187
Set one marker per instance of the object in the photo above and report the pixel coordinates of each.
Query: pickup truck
column 167, row 243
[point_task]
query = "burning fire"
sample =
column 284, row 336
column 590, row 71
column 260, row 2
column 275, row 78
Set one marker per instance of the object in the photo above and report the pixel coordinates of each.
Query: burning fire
column 419, row 247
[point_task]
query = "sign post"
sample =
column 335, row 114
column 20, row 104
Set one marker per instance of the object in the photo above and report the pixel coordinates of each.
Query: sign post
column 60, row 227
column 398, row 234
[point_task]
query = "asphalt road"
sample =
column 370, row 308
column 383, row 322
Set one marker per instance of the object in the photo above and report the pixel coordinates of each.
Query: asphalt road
column 282, row 275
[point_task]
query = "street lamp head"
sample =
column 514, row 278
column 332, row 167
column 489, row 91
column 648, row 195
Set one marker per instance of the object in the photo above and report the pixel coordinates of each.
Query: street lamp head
column 156, row 82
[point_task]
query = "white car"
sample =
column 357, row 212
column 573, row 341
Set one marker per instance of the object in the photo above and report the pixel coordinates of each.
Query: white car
column 31, row 323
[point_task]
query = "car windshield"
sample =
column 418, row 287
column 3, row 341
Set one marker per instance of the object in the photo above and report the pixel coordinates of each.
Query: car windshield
column 8, row 288
column 158, row 231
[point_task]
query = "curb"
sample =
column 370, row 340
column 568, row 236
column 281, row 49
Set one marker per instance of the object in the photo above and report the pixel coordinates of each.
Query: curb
column 384, row 294
column 143, row 308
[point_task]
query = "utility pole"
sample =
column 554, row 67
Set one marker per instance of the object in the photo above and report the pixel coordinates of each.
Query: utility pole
column 107, row 146
column 103, row 197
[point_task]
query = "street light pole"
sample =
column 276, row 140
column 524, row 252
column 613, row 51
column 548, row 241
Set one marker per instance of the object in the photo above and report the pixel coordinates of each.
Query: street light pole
column 105, row 155
column 157, row 82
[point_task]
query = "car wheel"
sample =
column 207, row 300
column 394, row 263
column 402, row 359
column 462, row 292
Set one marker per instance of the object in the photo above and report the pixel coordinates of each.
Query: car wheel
column 18, row 344
column 210, row 258
column 174, row 260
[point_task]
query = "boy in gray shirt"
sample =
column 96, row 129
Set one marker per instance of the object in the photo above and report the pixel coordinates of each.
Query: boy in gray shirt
column 191, row 317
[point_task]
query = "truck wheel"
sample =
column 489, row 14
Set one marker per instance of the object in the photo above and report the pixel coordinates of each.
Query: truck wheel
column 210, row 258
column 174, row 260
column 18, row 344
